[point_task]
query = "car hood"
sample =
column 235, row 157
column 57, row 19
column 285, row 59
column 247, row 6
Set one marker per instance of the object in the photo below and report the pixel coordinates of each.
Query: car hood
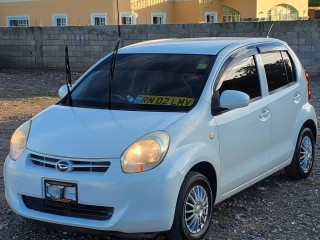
column 92, row 133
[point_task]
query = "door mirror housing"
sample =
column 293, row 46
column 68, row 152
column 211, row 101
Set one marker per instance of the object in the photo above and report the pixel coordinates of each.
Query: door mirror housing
column 232, row 99
column 63, row 91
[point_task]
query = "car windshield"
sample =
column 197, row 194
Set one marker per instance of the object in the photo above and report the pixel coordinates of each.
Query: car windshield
column 152, row 82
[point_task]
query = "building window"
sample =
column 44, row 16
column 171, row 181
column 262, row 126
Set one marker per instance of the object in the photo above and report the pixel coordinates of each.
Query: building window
column 18, row 21
column 230, row 15
column 158, row 18
column 98, row 19
column 211, row 17
column 283, row 12
column 60, row 20
column 127, row 18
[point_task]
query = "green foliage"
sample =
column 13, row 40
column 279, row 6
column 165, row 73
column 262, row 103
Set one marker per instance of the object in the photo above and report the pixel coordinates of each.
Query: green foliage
column 314, row 3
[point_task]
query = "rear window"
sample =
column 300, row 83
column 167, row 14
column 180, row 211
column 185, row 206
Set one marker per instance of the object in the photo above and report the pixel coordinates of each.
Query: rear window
column 278, row 68
column 156, row 82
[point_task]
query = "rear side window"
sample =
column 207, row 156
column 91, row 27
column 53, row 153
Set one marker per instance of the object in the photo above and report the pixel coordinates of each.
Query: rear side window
column 242, row 75
column 288, row 65
column 278, row 69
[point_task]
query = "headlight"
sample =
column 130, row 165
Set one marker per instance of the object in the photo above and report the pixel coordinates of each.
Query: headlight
column 145, row 153
column 18, row 142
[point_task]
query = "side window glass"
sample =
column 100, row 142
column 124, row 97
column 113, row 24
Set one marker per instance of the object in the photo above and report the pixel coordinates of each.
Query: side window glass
column 275, row 70
column 242, row 75
column 288, row 65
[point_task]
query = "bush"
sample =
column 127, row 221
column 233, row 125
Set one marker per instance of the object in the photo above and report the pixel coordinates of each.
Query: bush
column 314, row 3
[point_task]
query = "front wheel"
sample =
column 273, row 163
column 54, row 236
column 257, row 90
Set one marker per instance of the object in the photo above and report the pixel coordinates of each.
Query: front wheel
column 194, row 208
column 303, row 157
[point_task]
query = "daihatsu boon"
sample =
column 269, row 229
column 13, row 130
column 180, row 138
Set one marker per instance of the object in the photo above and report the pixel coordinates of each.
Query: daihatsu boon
column 153, row 135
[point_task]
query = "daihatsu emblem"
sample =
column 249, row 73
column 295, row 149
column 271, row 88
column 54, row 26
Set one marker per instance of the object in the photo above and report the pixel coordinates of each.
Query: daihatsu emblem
column 64, row 166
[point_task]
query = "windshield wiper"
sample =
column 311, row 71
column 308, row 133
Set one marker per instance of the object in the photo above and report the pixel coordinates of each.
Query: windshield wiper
column 113, row 60
column 111, row 70
column 68, row 75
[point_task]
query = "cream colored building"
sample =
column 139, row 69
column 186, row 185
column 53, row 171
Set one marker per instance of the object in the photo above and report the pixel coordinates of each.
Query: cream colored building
column 104, row 12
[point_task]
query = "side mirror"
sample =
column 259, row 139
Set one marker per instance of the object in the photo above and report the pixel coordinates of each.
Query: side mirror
column 63, row 91
column 232, row 99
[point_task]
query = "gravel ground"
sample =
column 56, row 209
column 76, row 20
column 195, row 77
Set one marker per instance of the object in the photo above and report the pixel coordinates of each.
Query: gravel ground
column 275, row 208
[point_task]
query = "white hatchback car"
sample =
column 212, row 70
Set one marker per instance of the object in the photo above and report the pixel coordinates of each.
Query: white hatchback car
column 181, row 125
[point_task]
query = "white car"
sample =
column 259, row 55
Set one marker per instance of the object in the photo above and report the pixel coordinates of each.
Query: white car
column 149, row 139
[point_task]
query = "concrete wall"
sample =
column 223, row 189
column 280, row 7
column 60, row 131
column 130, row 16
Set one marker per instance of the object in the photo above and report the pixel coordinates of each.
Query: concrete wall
column 37, row 47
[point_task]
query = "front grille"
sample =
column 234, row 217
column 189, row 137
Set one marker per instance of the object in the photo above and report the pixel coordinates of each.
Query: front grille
column 77, row 165
column 68, row 209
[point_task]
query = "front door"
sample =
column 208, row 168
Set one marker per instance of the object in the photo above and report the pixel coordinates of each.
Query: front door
column 244, row 133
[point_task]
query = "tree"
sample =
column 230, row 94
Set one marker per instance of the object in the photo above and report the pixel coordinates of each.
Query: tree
column 314, row 3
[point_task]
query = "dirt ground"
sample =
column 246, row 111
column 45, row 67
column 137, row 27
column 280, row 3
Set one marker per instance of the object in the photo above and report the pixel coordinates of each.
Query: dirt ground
column 276, row 208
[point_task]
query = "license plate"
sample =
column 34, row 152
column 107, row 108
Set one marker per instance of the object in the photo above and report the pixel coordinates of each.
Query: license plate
column 61, row 191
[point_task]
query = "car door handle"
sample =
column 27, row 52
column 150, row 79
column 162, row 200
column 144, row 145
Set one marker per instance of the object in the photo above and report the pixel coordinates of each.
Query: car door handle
column 297, row 97
column 265, row 114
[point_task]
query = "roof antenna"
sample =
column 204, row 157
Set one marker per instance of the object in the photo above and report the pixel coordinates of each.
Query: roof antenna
column 269, row 30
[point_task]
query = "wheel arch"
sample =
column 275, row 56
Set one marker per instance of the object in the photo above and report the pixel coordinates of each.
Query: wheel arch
column 312, row 125
column 209, row 172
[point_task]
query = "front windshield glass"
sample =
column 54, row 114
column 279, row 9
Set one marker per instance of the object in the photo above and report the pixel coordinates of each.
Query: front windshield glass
column 154, row 82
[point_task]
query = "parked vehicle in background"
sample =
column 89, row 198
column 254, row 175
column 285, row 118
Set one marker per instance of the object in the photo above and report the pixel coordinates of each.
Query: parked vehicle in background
column 181, row 124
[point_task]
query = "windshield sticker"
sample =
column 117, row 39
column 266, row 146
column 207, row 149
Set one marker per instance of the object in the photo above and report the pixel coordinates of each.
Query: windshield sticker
column 164, row 100
column 201, row 66
column 130, row 98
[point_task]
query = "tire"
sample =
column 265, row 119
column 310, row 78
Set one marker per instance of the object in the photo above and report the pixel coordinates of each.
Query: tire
column 194, row 184
column 303, row 158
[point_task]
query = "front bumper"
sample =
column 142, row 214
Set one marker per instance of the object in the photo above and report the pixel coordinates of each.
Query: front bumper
column 143, row 202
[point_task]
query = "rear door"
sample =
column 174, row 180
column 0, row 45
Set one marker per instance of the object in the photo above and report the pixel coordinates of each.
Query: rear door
column 244, row 133
column 285, row 101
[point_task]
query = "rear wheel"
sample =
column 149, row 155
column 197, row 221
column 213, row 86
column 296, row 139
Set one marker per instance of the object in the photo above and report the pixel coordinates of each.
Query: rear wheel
column 194, row 208
column 303, row 158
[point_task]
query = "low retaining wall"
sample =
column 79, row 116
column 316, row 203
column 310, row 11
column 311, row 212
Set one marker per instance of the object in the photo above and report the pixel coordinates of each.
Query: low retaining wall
column 43, row 47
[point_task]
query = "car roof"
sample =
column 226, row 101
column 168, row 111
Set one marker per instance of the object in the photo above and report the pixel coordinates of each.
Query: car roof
column 205, row 46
